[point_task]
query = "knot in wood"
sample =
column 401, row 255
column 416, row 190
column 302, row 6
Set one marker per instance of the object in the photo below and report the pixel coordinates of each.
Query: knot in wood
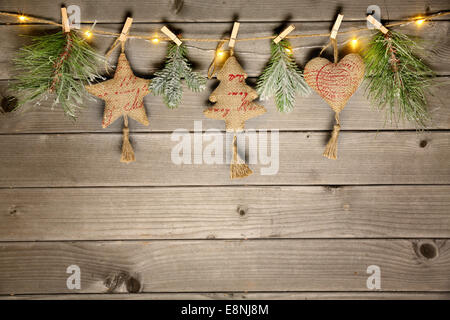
column 423, row 143
column 426, row 250
column 242, row 210
column 8, row 104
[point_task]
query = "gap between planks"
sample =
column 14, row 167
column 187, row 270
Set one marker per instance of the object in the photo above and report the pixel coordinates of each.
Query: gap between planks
column 255, row 295
column 196, row 10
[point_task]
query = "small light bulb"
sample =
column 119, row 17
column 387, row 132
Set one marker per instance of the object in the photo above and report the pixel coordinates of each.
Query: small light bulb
column 23, row 18
column 420, row 22
column 88, row 34
column 354, row 43
column 220, row 53
column 155, row 40
column 288, row 50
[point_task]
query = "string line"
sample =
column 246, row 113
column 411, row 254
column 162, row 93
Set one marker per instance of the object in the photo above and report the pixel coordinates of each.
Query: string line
column 115, row 34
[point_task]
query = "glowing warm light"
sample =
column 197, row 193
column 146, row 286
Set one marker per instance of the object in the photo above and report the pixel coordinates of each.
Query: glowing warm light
column 220, row 53
column 155, row 40
column 354, row 43
column 288, row 50
column 88, row 34
column 23, row 18
column 420, row 22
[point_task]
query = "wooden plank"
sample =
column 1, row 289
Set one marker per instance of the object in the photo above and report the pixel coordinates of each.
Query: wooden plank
column 198, row 10
column 204, row 266
column 93, row 160
column 146, row 58
column 236, row 212
column 242, row 296
column 310, row 113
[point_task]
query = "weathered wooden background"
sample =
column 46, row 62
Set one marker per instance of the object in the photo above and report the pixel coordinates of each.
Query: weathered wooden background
column 187, row 231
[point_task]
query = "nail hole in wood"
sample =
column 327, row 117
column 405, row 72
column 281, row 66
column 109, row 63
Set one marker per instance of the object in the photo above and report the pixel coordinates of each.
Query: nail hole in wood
column 242, row 211
column 12, row 210
column 423, row 143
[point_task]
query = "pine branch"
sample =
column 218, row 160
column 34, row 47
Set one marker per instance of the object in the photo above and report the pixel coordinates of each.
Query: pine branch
column 282, row 78
column 167, row 82
column 58, row 65
column 398, row 81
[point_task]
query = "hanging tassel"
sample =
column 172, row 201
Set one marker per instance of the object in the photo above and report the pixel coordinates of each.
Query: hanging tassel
column 238, row 168
column 331, row 148
column 127, row 149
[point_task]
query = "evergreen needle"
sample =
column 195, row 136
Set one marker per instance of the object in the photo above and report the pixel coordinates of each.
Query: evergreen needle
column 282, row 78
column 57, row 65
column 398, row 81
column 167, row 82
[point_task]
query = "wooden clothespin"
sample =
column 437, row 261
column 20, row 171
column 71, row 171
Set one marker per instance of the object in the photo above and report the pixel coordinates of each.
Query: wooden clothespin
column 171, row 35
column 284, row 33
column 377, row 24
column 65, row 20
column 125, row 30
column 234, row 33
column 121, row 39
column 336, row 26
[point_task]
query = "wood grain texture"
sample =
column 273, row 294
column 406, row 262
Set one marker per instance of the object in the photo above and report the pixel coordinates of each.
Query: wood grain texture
column 377, row 295
column 146, row 58
column 93, row 160
column 187, row 231
column 221, row 266
column 200, row 10
column 310, row 113
column 224, row 212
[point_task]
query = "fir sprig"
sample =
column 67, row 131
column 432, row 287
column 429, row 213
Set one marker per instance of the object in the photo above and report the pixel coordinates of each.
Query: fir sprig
column 282, row 78
column 398, row 81
column 58, row 65
column 167, row 82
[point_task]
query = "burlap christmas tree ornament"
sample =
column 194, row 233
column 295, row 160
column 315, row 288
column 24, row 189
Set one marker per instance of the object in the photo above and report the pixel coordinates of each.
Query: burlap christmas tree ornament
column 124, row 96
column 335, row 83
column 234, row 104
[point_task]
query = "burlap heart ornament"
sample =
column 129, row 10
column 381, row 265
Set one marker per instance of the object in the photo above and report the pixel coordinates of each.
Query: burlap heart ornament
column 335, row 83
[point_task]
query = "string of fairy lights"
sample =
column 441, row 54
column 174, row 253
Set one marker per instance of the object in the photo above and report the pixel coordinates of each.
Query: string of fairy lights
column 155, row 39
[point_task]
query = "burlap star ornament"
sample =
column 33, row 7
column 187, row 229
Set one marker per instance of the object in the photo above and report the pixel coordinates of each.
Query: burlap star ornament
column 124, row 96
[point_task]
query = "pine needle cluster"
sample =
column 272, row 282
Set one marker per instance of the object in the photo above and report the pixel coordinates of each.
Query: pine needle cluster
column 57, row 65
column 167, row 82
column 398, row 81
column 282, row 78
